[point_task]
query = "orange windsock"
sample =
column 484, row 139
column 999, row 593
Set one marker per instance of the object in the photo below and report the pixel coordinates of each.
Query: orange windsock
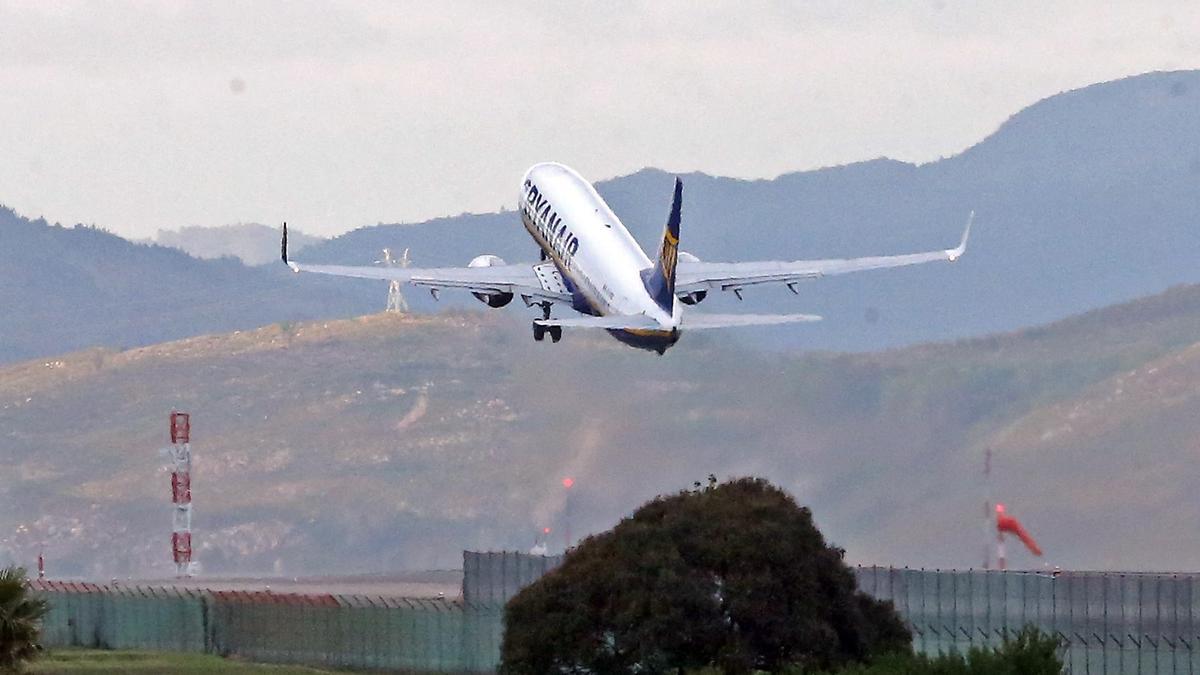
column 1006, row 523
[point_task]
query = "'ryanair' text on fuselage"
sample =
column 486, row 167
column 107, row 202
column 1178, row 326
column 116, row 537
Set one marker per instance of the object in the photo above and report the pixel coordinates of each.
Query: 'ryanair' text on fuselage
column 539, row 211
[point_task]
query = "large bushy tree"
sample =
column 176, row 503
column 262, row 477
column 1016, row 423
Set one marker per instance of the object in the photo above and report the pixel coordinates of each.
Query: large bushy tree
column 734, row 576
column 20, row 619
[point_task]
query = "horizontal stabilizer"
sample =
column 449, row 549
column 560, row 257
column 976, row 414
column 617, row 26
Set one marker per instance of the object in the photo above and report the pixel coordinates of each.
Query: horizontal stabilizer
column 691, row 321
column 698, row 321
column 615, row 322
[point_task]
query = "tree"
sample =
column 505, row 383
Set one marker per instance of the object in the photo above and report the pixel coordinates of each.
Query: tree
column 734, row 576
column 20, row 619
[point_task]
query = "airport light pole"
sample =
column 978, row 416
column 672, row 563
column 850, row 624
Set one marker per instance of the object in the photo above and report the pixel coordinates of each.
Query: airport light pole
column 568, row 483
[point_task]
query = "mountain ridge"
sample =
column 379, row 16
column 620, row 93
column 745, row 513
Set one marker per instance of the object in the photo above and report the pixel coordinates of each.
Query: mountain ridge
column 1106, row 215
column 70, row 288
column 252, row 243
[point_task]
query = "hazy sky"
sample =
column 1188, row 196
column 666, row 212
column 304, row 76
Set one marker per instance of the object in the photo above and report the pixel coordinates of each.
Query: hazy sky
column 150, row 115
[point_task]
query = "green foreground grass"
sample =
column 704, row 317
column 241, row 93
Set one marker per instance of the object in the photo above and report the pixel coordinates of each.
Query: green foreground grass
column 104, row 661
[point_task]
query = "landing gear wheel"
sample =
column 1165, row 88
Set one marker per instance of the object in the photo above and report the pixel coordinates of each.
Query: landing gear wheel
column 539, row 333
column 555, row 333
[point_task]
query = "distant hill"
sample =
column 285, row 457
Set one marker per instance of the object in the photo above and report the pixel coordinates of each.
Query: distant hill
column 252, row 243
column 1126, row 448
column 65, row 288
column 391, row 442
column 1084, row 199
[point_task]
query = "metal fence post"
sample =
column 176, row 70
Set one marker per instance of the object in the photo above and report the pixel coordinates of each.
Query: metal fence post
column 1104, row 628
column 1140, row 624
column 924, row 614
column 937, row 582
column 1191, row 625
column 1123, row 625
column 1054, row 606
column 1024, row 592
column 988, row 620
column 1174, row 622
column 1037, row 604
column 952, row 630
column 970, row 623
column 1157, row 618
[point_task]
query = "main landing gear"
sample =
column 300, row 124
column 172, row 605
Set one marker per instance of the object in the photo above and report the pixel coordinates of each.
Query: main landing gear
column 539, row 332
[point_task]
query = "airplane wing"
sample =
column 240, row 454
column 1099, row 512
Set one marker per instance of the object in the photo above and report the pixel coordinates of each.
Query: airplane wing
column 693, row 276
column 691, row 321
column 541, row 281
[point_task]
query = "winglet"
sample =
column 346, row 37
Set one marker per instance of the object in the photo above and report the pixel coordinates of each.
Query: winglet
column 956, row 253
column 283, row 251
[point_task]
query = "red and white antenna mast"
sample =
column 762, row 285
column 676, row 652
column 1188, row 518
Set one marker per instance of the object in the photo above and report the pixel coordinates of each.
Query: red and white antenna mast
column 180, row 454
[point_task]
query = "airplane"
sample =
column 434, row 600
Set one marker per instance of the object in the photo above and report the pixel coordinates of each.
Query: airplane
column 591, row 263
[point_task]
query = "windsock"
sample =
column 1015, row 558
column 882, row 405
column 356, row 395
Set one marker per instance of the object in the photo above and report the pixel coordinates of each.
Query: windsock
column 1006, row 523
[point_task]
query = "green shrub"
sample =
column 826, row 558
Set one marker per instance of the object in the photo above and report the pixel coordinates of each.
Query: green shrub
column 1031, row 652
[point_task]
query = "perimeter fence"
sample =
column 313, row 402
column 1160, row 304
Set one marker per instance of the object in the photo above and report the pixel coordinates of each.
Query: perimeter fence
column 1106, row 622
column 346, row 631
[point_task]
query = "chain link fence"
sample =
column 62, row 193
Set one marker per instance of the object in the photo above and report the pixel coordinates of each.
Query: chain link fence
column 1107, row 622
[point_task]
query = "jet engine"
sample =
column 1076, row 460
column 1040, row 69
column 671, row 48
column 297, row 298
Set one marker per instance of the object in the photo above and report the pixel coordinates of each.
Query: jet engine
column 694, row 297
column 490, row 299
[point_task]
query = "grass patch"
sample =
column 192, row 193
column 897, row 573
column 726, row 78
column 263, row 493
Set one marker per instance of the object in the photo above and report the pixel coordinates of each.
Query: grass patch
column 106, row 661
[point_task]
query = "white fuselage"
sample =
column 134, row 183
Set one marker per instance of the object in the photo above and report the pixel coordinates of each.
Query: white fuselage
column 596, row 255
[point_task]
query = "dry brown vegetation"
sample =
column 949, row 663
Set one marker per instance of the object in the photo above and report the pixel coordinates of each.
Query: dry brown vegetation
column 391, row 442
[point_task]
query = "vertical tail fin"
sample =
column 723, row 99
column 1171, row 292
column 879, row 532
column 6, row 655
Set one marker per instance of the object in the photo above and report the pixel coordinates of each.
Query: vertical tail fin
column 660, row 279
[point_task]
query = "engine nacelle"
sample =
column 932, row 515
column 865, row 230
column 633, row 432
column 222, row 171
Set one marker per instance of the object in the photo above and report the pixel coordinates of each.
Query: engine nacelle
column 490, row 299
column 694, row 297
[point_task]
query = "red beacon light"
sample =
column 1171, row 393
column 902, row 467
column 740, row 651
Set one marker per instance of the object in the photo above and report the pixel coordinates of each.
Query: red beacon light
column 568, row 482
